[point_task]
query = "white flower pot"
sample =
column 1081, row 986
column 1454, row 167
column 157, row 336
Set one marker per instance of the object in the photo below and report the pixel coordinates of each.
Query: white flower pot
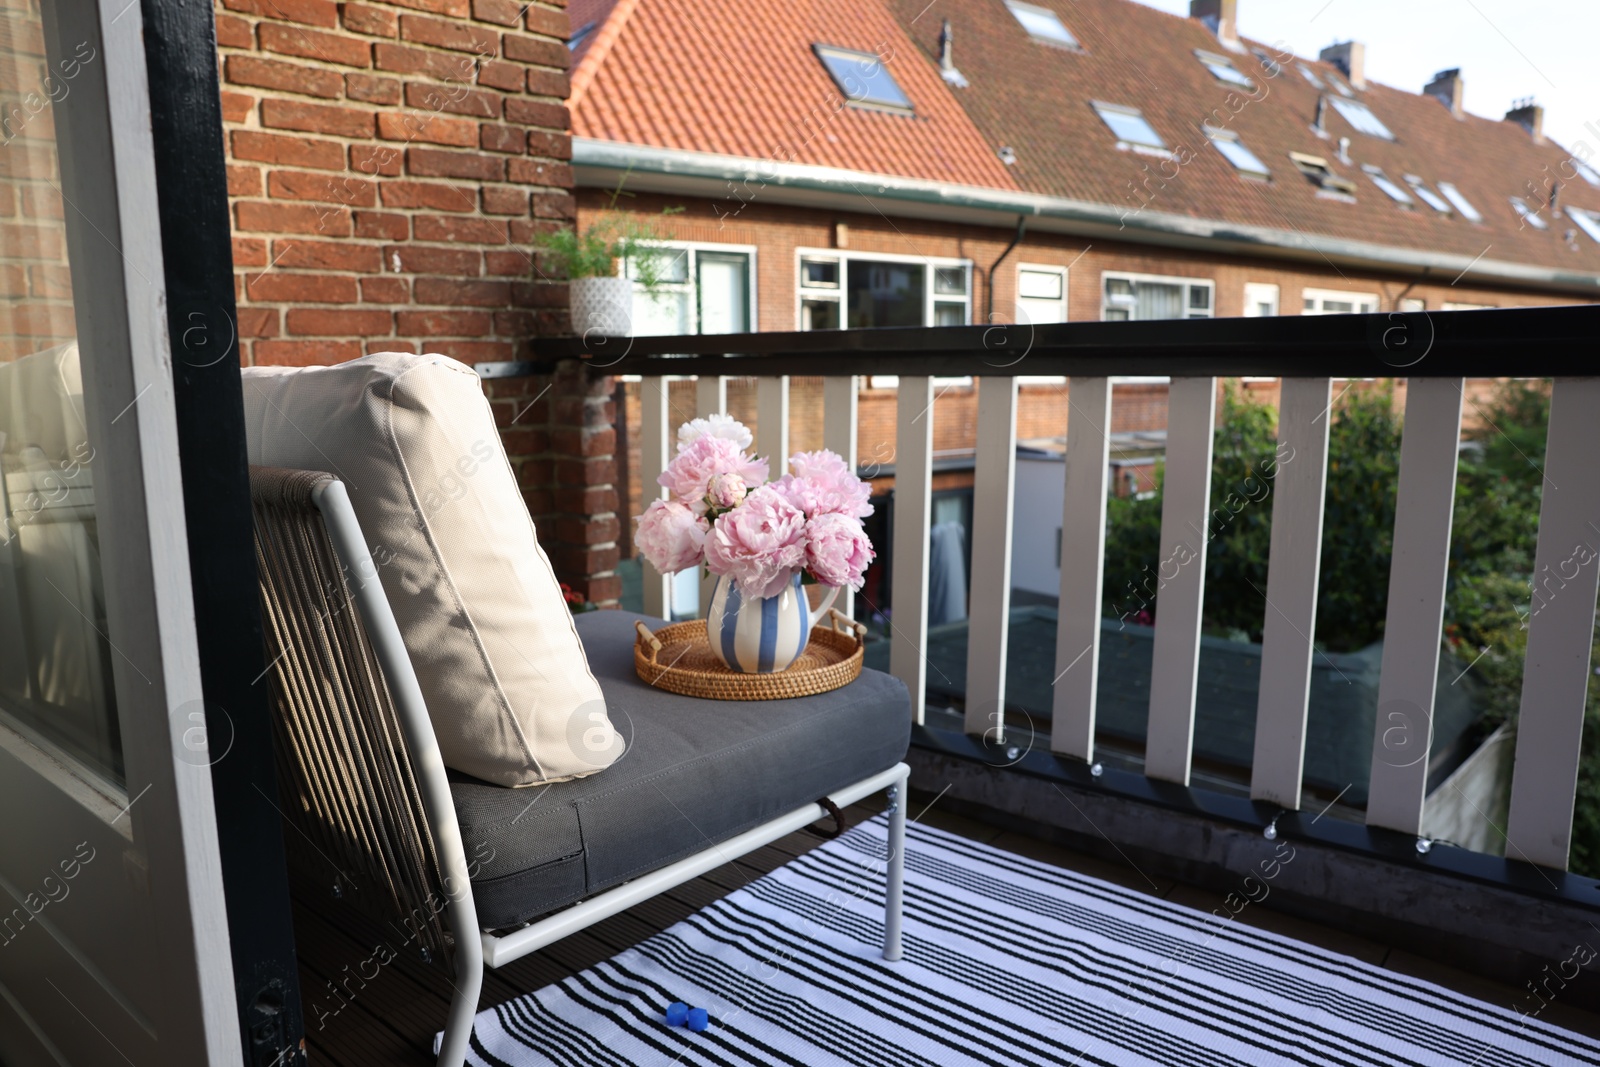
column 602, row 306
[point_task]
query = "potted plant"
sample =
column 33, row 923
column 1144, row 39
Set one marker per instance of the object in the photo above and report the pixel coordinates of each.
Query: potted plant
column 601, row 297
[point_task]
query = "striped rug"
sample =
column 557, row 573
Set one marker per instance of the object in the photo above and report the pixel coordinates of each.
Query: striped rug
column 1007, row 961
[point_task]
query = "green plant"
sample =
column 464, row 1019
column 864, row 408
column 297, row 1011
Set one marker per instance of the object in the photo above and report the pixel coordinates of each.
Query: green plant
column 611, row 238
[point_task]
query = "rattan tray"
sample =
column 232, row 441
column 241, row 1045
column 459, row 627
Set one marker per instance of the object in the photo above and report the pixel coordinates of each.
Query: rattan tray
column 678, row 658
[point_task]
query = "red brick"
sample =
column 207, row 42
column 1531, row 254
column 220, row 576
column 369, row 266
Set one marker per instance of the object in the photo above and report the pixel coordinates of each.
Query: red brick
column 371, row 20
column 249, row 252
column 382, row 225
column 384, row 159
column 236, row 106
column 372, row 89
column 507, row 139
column 538, row 113
column 257, row 322
column 499, row 12
column 312, row 44
column 537, row 172
column 388, row 344
column 537, row 50
column 300, row 185
column 434, row 163
column 304, row 353
column 444, row 33
column 516, row 323
column 406, row 60
column 504, row 201
column 402, row 194
column 550, row 23
column 461, row 230
column 506, row 264
column 591, row 501
column 507, row 76
column 288, row 77
column 528, row 441
column 314, row 322
column 288, row 151
column 309, row 12
column 234, row 32
column 244, row 181
column 539, row 501
column 276, row 286
column 292, row 218
column 385, row 290
column 546, row 83
column 585, row 560
column 474, row 351
column 453, row 8
column 421, row 259
column 455, row 98
column 458, row 292
column 301, row 254
column 427, row 128
column 554, row 206
column 603, row 590
column 443, row 323
column 549, row 145
column 316, row 118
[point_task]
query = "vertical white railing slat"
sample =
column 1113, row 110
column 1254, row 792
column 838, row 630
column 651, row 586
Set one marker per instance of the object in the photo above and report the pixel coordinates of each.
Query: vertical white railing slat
column 710, row 398
column 772, row 421
column 1414, row 621
column 1555, row 675
column 1083, row 554
column 1181, row 578
column 839, row 435
column 653, row 457
column 994, row 484
column 1298, row 475
column 913, row 496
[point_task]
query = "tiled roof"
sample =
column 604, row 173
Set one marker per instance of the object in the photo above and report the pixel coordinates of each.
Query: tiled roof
column 738, row 77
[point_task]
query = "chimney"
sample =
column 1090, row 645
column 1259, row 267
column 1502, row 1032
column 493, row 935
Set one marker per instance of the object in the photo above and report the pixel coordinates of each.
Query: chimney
column 1447, row 88
column 1529, row 116
column 947, row 62
column 1221, row 17
column 1344, row 150
column 1350, row 57
column 1319, row 125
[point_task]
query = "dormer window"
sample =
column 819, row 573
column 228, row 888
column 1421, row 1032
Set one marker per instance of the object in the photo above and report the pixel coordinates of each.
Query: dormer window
column 1130, row 128
column 863, row 78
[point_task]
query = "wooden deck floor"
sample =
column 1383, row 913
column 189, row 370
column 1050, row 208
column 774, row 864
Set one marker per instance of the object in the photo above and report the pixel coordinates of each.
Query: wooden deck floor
column 390, row 1019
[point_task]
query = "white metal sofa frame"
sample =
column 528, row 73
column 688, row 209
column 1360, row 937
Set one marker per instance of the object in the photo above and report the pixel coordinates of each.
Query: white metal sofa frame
column 391, row 814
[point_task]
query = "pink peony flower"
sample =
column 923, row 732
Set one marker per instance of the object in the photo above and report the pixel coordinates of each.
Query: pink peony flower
column 724, row 491
column 822, row 483
column 837, row 549
column 760, row 544
column 688, row 476
column 671, row 536
column 724, row 426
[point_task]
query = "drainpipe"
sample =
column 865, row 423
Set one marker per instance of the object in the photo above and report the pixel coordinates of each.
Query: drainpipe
column 1022, row 224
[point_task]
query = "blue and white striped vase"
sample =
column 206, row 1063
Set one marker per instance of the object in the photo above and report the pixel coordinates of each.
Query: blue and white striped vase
column 761, row 635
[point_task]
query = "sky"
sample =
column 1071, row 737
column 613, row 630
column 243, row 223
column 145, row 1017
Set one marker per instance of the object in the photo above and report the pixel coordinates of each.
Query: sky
column 1506, row 49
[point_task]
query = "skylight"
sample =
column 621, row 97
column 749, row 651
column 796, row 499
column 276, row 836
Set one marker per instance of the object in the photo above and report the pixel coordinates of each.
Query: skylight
column 1233, row 149
column 1383, row 181
column 1311, row 76
column 862, row 78
column 1463, row 205
column 1589, row 174
column 1321, row 175
column 1344, row 90
column 1429, row 197
column 1587, row 221
column 1223, row 70
column 1042, row 24
column 1270, row 65
column 1530, row 216
column 1361, row 117
column 1129, row 126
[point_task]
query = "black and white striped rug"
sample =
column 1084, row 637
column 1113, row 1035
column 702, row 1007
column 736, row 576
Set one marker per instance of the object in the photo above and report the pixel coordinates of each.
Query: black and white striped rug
column 1007, row 961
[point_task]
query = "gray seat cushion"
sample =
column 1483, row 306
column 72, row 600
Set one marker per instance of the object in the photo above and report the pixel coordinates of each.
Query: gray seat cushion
column 694, row 773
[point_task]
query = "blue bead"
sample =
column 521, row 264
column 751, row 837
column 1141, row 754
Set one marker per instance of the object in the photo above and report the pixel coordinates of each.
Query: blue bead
column 677, row 1011
column 698, row 1020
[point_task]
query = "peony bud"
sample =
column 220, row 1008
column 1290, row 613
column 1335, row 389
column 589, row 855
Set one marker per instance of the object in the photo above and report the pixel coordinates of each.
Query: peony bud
column 726, row 491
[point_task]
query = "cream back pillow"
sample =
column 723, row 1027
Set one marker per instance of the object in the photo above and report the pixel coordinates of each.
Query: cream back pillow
column 491, row 638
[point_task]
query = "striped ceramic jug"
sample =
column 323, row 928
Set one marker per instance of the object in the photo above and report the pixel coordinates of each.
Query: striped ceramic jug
column 761, row 635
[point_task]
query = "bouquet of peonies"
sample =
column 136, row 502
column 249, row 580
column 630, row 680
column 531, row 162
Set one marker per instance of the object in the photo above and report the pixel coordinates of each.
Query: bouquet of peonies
column 722, row 511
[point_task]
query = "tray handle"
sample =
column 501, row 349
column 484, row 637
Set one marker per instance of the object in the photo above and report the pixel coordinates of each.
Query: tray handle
column 851, row 626
column 648, row 638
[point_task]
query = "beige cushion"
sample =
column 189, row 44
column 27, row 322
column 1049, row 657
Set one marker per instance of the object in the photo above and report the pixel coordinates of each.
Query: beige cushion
column 492, row 640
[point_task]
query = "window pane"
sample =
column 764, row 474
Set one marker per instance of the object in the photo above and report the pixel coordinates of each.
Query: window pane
column 1234, row 151
column 1587, row 222
column 724, row 287
column 947, row 314
column 1042, row 23
column 1039, row 283
column 662, row 313
column 885, row 294
column 671, row 263
column 819, row 273
column 1392, row 188
column 1130, row 126
column 1362, row 118
column 1462, row 204
column 819, row 314
column 1199, row 297
column 863, row 78
column 950, row 281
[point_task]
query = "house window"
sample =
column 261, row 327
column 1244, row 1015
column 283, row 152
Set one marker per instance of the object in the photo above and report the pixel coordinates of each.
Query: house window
column 704, row 289
column 1428, row 196
column 1413, row 304
column 1361, row 117
column 1588, row 221
column 1233, row 150
column 1141, row 297
column 1311, row 76
column 1042, row 24
column 838, row 289
column 1130, row 127
column 1388, row 185
column 1463, row 205
column 1588, row 173
column 1528, row 214
column 863, row 78
column 1458, row 306
column 1223, row 70
column 1260, row 300
column 1041, row 294
column 1334, row 302
column 1329, row 184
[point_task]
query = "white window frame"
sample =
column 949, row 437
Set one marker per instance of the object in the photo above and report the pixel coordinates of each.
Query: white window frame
column 1457, row 305
column 1165, row 279
column 1216, row 135
column 1463, row 206
column 1321, row 296
column 1212, row 61
column 1588, row 221
column 1018, row 8
column 1043, row 268
column 846, row 255
column 694, row 248
column 1361, row 112
column 1427, row 195
column 1528, row 213
column 1161, row 150
column 1254, row 291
